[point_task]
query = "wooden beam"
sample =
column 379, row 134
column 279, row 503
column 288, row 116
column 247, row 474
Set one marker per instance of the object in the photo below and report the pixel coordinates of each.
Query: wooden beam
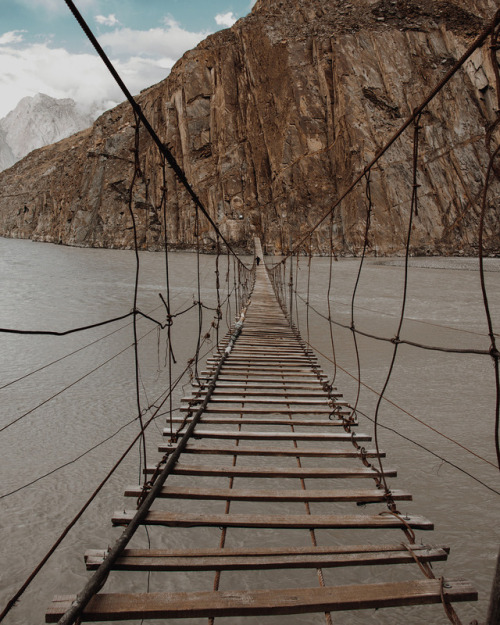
column 271, row 401
column 263, row 421
column 281, row 378
column 120, row 606
column 231, row 560
column 270, row 374
column 298, row 452
column 277, row 357
column 212, row 408
column 275, row 521
column 419, row 549
column 239, row 494
column 283, row 436
column 258, row 391
column 286, row 472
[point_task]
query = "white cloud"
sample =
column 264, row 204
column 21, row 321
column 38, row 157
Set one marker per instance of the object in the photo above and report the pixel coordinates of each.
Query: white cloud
column 109, row 20
column 170, row 42
column 13, row 36
column 142, row 58
column 39, row 68
column 225, row 19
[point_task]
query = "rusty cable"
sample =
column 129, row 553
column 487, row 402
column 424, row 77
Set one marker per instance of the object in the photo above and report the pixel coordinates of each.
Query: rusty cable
column 137, row 174
column 400, row 341
column 413, row 211
column 412, row 416
column 493, row 348
column 369, row 208
column 170, row 354
column 66, row 332
column 328, row 292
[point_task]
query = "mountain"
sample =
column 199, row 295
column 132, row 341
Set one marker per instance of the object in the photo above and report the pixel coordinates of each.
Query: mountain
column 38, row 121
column 271, row 120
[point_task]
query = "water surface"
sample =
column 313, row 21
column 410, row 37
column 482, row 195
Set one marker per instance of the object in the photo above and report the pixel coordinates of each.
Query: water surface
column 53, row 287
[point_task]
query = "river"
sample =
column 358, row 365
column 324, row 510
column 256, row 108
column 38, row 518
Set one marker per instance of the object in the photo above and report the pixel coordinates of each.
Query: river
column 54, row 287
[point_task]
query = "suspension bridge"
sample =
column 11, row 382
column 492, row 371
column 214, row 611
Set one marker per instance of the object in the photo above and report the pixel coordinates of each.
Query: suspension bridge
column 268, row 499
column 262, row 377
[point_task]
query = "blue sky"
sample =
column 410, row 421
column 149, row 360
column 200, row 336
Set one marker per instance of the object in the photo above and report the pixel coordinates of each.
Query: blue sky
column 42, row 48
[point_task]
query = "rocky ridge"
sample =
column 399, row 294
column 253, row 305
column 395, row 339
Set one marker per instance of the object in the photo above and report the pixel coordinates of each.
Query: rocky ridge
column 38, row 121
column 271, row 120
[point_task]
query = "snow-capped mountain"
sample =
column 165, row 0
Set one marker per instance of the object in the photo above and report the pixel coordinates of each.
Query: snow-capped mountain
column 38, row 121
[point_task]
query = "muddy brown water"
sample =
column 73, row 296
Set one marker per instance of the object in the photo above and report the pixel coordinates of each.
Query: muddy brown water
column 53, row 287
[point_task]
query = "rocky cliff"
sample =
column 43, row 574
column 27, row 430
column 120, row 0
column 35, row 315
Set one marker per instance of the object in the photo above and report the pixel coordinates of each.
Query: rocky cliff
column 271, row 120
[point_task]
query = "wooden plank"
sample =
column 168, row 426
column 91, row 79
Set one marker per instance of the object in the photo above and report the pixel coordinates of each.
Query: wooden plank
column 120, row 606
column 268, row 349
column 253, row 378
column 242, row 351
column 212, row 408
column 239, row 494
column 285, row 472
column 325, row 402
column 299, row 452
column 271, row 374
column 284, row 436
column 275, row 521
column 264, row 421
column 265, row 343
column 265, row 348
column 271, row 350
column 266, row 362
column 258, row 391
column 255, row 342
column 273, row 354
column 227, row 560
column 419, row 549
column 250, row 341
column 278, row 369
column 276, row 356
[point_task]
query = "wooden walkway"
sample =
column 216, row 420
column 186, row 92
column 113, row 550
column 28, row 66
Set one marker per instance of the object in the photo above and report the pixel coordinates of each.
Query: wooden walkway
column 275, row 450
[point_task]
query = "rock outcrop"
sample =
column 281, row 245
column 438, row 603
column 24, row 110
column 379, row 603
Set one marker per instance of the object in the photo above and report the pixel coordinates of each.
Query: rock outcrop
column 271, row 120
column 38, row 121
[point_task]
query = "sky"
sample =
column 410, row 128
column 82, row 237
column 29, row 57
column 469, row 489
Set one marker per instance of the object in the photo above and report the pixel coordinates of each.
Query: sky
column 44, row 50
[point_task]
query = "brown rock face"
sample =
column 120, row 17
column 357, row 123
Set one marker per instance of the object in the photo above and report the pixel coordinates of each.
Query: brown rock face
column 271, row 120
